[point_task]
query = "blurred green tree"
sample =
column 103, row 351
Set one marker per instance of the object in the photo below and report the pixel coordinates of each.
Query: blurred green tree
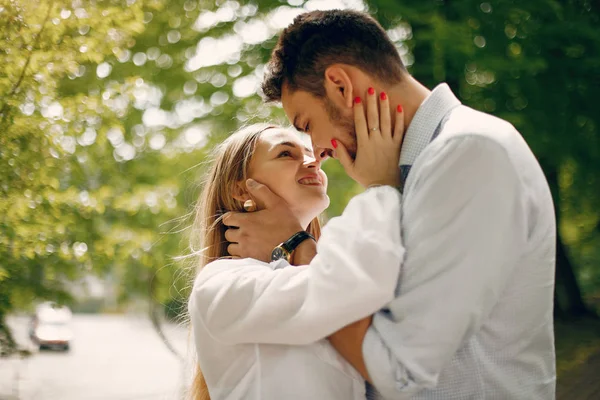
column 53, row 201
column 109, row 111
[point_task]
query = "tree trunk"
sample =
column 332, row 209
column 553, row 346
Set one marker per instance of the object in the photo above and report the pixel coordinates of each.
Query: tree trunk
column 568, row 300
column 565, row 275
column 8, row 345
column 155, row 309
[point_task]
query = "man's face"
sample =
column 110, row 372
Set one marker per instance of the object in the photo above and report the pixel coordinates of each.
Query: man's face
column 321, row 119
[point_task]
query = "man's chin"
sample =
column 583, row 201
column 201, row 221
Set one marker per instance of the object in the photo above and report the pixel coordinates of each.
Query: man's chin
column 352, row 155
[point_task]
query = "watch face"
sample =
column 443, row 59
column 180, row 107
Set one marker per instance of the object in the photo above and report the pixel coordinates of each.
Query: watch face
column 277, row 254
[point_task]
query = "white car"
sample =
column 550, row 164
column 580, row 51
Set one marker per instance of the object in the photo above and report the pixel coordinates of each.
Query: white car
column 51, row 327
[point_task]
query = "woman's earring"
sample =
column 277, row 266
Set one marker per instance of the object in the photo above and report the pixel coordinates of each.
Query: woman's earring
column 249, row 205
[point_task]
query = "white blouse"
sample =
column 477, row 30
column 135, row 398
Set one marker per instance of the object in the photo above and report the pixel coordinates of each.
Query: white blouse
column 260, row 329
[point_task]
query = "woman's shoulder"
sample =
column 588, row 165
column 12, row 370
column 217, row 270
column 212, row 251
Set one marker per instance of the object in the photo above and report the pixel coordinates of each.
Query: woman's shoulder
column 225, row 263
column 219, row 273
column 232, row 265
column 228, row 273
column 229, row 262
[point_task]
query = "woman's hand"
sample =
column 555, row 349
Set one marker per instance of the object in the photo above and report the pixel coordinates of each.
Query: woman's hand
column 377, row 147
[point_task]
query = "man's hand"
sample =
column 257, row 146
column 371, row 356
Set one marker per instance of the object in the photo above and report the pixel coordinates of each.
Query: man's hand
column 255, row 234
column 348, row 342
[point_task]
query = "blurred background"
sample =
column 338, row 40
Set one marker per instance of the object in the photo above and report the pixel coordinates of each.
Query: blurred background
column 109, row 108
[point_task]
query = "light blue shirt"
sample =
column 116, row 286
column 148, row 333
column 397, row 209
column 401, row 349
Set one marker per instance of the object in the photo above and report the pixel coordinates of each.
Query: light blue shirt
column 472, row 317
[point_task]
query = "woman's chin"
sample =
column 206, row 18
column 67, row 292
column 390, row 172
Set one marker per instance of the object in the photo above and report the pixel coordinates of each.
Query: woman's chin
column 326, row 202
column 322, row 205
column 320, row 200
column 313, row 207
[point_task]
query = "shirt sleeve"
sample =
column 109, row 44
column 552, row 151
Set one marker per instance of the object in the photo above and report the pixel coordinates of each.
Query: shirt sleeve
column 352, row 276
column 464, row 226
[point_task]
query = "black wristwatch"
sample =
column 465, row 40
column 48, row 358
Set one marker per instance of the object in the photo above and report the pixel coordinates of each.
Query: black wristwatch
column 285, row 249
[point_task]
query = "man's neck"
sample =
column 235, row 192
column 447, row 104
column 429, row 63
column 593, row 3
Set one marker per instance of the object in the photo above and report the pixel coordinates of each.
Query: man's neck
column 410, row 93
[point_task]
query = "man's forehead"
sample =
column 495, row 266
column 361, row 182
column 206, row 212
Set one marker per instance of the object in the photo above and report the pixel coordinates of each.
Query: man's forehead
column 297, row 105
column 296, row 99
column 287, row 102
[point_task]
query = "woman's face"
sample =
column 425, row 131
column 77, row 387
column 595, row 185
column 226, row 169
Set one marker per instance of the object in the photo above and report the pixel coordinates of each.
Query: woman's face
column 287, row 166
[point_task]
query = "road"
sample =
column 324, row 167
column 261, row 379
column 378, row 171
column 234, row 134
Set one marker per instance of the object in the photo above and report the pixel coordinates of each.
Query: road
column 112, row 357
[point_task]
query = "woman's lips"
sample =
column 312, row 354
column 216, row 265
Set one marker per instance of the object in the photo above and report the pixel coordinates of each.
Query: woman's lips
column 311, row 180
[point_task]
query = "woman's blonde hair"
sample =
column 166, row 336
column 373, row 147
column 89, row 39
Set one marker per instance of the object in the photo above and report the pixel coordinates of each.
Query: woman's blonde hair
column 229, row 167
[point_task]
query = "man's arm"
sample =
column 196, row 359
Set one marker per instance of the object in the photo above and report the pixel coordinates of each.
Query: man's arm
column 464, row 225
column 352, row 276
column 255, row 234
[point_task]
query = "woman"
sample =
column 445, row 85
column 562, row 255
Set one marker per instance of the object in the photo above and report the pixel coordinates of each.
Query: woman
column 259, row 327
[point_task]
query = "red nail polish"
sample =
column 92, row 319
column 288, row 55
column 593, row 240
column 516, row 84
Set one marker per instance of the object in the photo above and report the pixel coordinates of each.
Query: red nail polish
column 357, row 100
column 371, row 91
column 383, row 96
column 334, row 143
column 399, row 108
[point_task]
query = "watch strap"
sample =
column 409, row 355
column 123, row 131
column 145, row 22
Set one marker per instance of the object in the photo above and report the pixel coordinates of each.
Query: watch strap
column 295, row 240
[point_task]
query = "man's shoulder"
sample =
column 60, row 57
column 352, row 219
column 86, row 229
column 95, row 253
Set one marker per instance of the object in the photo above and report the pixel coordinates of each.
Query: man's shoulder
column 466, row 128
column 466, row 121
column 481, row 141
column 480, row 138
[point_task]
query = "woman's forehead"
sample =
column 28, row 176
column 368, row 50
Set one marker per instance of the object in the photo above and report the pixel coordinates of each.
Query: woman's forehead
column 276, row 136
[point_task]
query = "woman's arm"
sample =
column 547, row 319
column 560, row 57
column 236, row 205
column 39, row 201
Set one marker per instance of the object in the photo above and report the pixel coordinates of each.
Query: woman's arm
column 353, row 275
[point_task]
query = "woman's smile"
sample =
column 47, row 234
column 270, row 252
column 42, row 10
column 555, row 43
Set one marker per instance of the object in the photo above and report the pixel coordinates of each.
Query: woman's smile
column 311, row 180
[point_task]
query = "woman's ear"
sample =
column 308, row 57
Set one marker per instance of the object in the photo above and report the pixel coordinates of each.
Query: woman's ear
column 338, row 86
column 240, row 192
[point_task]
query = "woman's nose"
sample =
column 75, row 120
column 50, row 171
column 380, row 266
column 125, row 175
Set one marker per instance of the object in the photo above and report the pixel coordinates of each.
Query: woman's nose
column 312, row 162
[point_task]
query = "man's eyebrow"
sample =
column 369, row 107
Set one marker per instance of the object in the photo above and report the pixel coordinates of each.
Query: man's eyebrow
column 296, row 124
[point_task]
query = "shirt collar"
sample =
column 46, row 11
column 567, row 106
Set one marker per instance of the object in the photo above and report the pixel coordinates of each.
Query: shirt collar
column 425, row 121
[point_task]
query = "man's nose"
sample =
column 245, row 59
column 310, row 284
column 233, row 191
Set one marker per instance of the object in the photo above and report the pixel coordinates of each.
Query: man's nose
column 321, row 154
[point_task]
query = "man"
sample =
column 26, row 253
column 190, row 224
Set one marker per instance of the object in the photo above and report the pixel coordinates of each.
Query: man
column 472, row 317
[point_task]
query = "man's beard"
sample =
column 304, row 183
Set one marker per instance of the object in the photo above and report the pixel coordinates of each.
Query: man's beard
column 344, row 123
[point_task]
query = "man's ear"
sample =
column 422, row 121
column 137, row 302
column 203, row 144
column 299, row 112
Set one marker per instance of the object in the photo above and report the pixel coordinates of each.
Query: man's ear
column 338, row 86
column 240, row 193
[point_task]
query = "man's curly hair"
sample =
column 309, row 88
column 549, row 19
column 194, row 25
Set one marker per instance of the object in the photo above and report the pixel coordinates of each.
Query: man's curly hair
column 317, row 39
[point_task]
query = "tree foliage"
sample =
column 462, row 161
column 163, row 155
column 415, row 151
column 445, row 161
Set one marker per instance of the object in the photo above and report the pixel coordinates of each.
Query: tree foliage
column 109, row 110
